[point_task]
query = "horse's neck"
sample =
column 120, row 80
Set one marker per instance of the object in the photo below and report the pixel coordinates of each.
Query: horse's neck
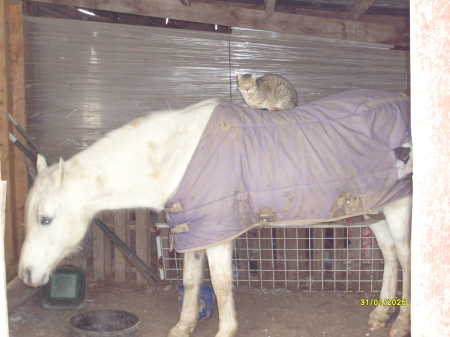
column 140, row 164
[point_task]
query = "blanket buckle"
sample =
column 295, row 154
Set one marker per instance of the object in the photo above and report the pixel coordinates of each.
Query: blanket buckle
column 180, row 228
column 265, row 216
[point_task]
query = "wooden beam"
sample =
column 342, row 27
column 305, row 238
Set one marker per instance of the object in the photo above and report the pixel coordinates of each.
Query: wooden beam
column 390, row 20
column 270, row 8
column 359, row 8
column 4, row 331
column 12, row 101
column 186, row 3
column 213, row 12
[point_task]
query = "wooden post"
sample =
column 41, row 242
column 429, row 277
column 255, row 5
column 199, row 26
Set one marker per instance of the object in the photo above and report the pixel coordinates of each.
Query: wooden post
column 270, row 8
column 142, row 240
column 317, row 246
column 108, row 216
column 98, row 250
column 358, row 8
column 119, row 260
column 12, row 102
column 4, row 331
column 339, row 247
column 266, row 263
column 354, row 258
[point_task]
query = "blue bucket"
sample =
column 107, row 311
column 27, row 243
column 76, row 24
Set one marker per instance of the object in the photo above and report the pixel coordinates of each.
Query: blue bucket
column 205, row 301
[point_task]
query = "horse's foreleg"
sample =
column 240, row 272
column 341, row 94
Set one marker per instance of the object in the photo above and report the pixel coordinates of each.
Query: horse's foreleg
column 398, row 216
column 220, row 267
column 192, row 277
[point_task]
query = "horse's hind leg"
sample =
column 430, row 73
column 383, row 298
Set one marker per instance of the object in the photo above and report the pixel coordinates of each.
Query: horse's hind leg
column 192, row 277
column 398, row 216
column 393, row 237
column 220, row 267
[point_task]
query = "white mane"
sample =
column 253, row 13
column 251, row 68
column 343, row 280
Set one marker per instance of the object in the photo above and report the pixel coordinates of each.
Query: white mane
column 132, row 161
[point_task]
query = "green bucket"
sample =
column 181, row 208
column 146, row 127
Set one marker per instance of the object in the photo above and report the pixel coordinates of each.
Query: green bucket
column 66, row 289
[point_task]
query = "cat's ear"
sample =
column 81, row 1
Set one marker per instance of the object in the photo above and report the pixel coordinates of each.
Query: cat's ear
column 239, row 77
column 253, row 76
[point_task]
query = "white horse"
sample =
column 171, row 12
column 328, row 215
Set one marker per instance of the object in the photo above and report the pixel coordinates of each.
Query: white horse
column 141, row 165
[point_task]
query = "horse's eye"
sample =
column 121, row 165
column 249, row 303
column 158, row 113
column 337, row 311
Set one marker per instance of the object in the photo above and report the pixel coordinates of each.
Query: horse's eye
column 45, row 220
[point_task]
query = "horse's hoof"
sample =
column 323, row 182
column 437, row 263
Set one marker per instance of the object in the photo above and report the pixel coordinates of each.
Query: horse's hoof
column 400, row 329
column 377, row 324
column 399, row 333
column 378, row 318
column 177, row 331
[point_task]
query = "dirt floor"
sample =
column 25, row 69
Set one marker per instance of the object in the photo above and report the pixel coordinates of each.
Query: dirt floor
column 260, row 313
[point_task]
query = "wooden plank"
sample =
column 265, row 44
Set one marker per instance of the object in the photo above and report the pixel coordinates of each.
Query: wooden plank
column 280, row 256
column 186, row 3
column 4, row 331
column 358, row 8
column 317, row 247
column 266, row 262
column 17, row 293
column 213, row 12
column 129, row 223
column 354, row 255
column 119, row 259
column 339, row 247
column 98, row 250
column 390, row 20
column 302, row 255
column 142, row 240
column 5, row 145
column 12, row 102
column 109, row 246
column 270, row 8
column 17, row 83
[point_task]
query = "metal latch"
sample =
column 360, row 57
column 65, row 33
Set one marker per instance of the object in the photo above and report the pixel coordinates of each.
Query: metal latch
column 265, row 216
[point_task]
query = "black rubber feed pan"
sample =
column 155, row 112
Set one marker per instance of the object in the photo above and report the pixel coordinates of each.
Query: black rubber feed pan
column 100, row 323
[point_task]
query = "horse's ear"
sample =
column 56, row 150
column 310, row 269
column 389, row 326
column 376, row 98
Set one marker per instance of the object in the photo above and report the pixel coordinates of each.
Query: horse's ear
column 41, row 163
column 62, row 169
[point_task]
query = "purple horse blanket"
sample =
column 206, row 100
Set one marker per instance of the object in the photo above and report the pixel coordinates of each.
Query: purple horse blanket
column 322, row 161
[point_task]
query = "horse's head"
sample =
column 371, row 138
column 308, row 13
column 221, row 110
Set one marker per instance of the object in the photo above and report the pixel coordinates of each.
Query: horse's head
column 55, row 223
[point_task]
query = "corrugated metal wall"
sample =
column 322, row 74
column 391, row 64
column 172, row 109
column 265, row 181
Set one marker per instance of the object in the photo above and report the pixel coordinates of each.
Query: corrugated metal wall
column 85, row 78
column 319, row 67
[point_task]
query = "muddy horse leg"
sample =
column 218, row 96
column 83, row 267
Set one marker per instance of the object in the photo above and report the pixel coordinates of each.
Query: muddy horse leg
column 220, row 267
column 393, row 237
column 192, row 278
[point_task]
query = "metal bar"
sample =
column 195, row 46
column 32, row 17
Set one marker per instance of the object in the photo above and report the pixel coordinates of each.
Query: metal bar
column 28, row 138
column 22, row 147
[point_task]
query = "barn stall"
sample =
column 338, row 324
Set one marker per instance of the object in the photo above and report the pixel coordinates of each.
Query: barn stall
column 80, row 77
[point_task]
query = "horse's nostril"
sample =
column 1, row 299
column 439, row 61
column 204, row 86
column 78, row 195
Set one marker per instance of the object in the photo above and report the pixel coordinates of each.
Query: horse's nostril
column 26, row 276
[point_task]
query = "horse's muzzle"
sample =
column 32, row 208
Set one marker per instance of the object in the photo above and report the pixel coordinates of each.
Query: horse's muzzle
column 26, row 276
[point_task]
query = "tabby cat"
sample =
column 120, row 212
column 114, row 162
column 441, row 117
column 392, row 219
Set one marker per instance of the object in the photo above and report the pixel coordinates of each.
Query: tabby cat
column 271, row 92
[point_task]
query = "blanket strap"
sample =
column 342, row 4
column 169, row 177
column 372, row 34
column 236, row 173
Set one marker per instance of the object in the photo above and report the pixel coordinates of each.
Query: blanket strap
column 180, row 228
column 372, row 218
column 265, row 216
column 176, row 207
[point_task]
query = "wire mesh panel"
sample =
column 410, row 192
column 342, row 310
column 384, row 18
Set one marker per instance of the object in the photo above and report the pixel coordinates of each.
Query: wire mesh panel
column 319, row 258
